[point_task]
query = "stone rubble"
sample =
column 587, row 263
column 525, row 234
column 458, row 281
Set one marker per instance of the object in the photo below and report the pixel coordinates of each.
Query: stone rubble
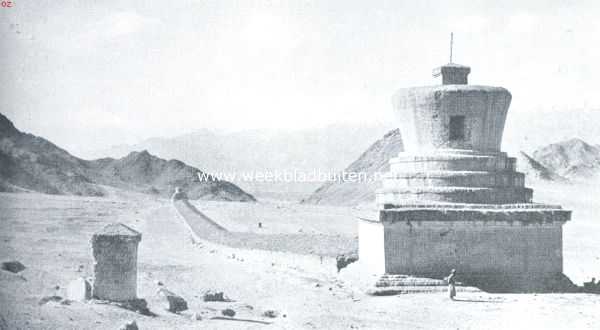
column 171, row 301
column 12, row 266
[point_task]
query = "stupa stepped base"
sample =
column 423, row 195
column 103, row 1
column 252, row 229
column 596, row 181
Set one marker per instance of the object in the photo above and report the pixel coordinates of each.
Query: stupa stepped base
column 393, row 284
column 452, row 160
column 453, row 179
column 453, row 176
column 474, row 195
column 509, row 247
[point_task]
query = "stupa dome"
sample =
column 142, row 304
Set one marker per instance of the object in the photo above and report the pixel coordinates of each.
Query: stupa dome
column 452, row 115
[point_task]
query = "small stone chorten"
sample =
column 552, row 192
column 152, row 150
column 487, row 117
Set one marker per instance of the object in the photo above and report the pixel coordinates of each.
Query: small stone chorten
column 453, row 199
column 115, row 263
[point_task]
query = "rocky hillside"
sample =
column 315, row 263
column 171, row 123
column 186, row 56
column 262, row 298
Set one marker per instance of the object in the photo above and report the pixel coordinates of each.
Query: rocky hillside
column 31, row 163
column 142, row 171
column 573, row 159
column 351, row 192
column 28, row 162
column 535, row 171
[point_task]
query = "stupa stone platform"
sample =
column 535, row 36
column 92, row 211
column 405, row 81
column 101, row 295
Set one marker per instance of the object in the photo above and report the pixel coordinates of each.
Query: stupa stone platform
column 388, row 285
column 454, row 200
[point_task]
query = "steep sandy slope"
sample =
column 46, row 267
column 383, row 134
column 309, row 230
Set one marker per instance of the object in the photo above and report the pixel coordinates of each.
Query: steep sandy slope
column 535, row 171
column 372, row 162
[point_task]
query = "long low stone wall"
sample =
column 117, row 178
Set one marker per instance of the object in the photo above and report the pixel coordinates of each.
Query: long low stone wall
column 506, row 250
column 202, row 227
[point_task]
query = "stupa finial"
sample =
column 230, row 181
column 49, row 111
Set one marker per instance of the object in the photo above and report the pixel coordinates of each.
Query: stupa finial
column 452, row 73
column 451, row 44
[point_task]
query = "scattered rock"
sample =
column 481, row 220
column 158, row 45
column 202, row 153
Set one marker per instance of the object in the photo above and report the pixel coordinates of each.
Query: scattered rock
column 79, row 290
column 344, row 260
column 228, row 312
column 13, row 266
column 48, row 299
column 129, row 326
column 172, row 302
column 270, row 313
column 159, row 283
column 214, row 296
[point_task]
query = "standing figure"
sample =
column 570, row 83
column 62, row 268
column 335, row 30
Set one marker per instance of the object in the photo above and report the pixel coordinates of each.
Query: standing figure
column 451, row 284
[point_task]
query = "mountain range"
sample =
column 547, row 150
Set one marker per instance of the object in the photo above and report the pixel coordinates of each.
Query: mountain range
column 32, row 163
column 326, row 149
column 329, row 148
column 29, row 162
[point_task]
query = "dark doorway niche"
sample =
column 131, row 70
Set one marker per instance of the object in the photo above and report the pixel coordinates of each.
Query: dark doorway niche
column 457, row 128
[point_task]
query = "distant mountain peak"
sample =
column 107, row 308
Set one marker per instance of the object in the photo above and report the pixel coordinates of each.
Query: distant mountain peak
column 575, row 143
column 573, row 158
column 140, row 154
column 139, row 157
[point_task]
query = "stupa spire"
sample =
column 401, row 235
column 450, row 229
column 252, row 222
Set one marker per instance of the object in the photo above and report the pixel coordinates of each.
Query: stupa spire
column 452, row 73
column 451, row 44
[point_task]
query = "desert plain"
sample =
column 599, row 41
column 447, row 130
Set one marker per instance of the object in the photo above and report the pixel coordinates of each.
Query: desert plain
column 50, row 235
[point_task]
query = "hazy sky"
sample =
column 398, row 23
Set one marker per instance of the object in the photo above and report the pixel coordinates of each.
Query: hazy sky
column 87, row 74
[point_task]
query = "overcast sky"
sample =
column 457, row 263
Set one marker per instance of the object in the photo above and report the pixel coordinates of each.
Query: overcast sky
column 88, row 74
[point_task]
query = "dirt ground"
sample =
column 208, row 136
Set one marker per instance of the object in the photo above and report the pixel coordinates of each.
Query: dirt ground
column 50, row 235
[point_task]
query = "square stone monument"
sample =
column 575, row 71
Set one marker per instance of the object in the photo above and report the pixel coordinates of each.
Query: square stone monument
column 115, row 263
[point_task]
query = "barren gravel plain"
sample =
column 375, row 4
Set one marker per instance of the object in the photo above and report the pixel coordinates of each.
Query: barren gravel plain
column 51, row 235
